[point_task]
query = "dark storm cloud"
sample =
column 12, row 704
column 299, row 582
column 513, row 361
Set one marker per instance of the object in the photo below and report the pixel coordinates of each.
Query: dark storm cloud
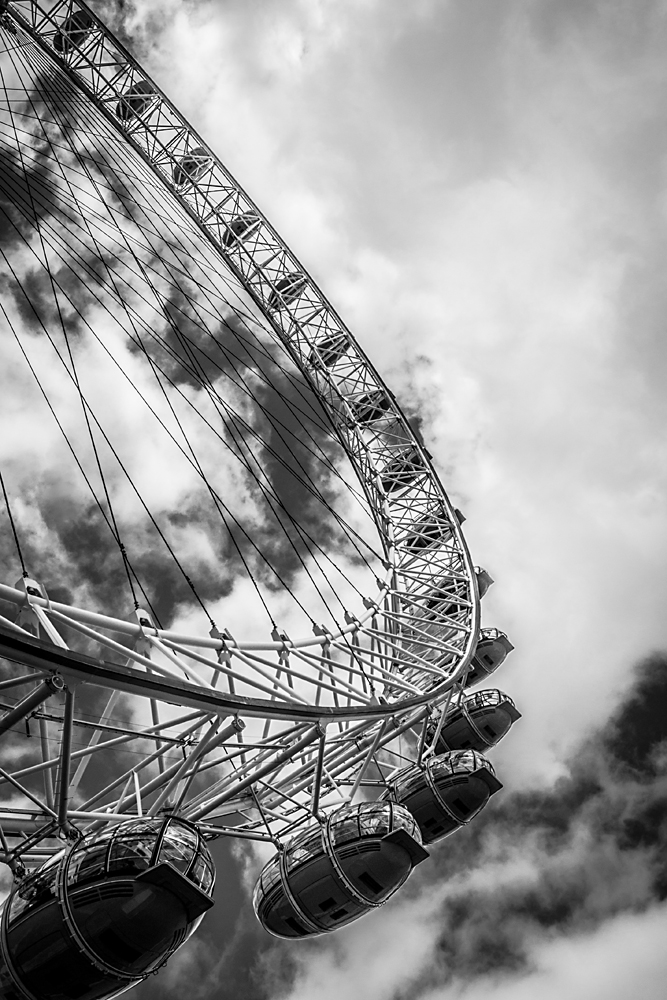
column 17, row 187
column 594, row 847
column 595, row 843
column 174, row 317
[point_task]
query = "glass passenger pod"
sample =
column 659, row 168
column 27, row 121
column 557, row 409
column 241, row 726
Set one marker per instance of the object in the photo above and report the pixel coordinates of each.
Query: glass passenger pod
column 448, row 601
column 431, row 529
column 135, row 100
column 479, row 722
column 402, row 470
column 108, row 912
column 491, row 652
column 484, row 580
column 287, row 290
column 370, row 407
column 329, row 351
column 446, row 792
column 73, row 32
column 191, row 167
column 328, row 876
column 241, row 228
column 428, row 531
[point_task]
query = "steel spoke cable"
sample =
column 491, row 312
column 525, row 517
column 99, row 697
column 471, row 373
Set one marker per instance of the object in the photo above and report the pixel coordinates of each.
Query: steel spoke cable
column 269, row 498
column 90, row 411
column 329, row 466
column 127, row 475
column 305, row 483
column 121, row 299
column 345, row 527
column 115, row 152
column 114, row 523
column 249, row 538
column 320, row 426
column 111, row 520
column 69, row 444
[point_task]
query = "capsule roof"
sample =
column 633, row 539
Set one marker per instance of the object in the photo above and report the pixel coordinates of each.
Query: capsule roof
column 137, row 845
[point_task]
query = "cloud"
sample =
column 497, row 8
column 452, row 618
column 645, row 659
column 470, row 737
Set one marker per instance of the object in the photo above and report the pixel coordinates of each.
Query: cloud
column 482, row 194
column 536, row 894
column 235, row 476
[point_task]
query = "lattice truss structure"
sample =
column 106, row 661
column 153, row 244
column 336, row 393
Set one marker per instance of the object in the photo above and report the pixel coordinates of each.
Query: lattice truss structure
column 246, row 738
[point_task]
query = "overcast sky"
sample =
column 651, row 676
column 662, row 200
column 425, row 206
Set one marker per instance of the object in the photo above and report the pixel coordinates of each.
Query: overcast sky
column 480, row 188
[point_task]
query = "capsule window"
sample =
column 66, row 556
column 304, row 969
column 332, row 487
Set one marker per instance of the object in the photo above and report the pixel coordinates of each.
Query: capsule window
column 369, row 407
column 130, row 855
column 328, row 351
column 135, row 100
column 74, row 31
column 191, row 167
column 370, row 882
column 287, row 290
column 178, row 846
column 294, row 924
column 91, row 864
column 202, row 874
column 426, row 533
column 33, row 893
column 240, row 228
column 402, row 471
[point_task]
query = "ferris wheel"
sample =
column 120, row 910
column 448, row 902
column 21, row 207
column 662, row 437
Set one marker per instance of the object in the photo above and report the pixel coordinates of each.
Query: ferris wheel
column 246, row 607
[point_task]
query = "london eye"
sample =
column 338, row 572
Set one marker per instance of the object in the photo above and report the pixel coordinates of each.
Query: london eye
column 236, row 600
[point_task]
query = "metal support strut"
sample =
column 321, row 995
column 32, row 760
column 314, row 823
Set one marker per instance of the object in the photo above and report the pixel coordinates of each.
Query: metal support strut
column 31, row 701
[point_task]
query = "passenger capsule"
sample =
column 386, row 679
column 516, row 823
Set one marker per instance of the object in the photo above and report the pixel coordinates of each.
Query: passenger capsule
column 449, row 600
column 477, row 723
column 445, row 792
column 435, row 527
column 73, row 31
column 329, row 875
column 97, row 919
column 240, row 229
column 402, row 470
column 135, row 100
column 492, row 649
column 327, row 352
column 484, row 580
column 287, row 289
column 428, row 531
column 191, row 167
column 369, row 407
